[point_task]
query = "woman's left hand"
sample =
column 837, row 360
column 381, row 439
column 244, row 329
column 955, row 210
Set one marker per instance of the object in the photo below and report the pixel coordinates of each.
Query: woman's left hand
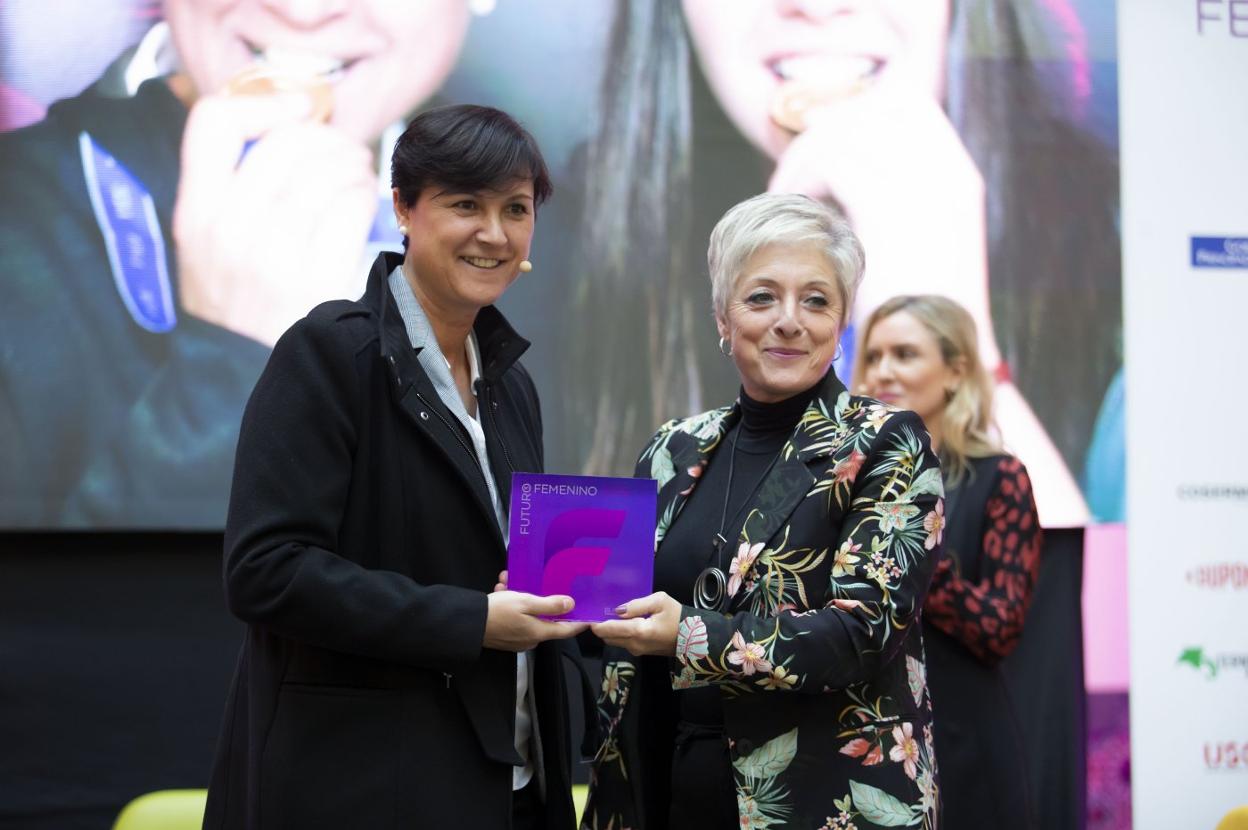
column 647, row 626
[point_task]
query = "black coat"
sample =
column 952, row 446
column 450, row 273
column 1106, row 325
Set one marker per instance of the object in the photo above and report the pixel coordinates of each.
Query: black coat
column 360, row 545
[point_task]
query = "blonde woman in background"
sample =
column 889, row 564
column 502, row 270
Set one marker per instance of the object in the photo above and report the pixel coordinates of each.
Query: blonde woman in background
column 921, row 353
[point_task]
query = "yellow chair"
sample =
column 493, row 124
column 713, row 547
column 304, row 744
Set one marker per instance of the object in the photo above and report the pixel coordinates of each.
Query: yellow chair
column 579, row 793
column 164, row 810
column 184, row 810
column 1236, row 819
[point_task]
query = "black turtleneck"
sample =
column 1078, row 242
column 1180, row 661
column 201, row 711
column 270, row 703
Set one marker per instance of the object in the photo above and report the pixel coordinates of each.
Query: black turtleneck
column 756, row 440
column 701, row 768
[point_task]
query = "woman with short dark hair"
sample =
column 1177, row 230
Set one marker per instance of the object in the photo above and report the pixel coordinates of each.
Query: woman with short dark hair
column 381, row 684
column 467, row 148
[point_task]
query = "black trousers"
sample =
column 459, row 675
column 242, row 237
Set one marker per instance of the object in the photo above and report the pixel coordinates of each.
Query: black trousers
column 526, row 807
column 703, row 794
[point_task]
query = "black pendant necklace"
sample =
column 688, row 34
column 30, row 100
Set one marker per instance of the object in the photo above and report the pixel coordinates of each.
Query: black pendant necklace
column 710, row 590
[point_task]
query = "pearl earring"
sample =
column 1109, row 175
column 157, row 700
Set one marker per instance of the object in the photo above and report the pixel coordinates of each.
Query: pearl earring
column 403, row 229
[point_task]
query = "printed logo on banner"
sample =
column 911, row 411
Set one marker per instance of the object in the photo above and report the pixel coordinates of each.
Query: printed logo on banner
column 1223, row 17
column 1217, row 576
column 1212, row 666
column 1212, row 492
column 1219, row 252
column 1226, row 755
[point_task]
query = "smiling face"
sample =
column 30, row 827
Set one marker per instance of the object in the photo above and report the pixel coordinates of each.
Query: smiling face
column 382, row 58
column 904, row 366
column 758, row 55
column 782, row 318
column 465, row 248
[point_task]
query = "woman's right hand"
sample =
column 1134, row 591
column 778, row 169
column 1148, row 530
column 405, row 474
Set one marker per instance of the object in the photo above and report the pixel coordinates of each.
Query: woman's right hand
column 513, row 621
column 890, row 157
column 263, row 240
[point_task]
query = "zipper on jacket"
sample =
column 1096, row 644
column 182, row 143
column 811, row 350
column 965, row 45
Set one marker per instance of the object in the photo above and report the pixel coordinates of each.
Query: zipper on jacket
column 490, row 405
column 471, row 452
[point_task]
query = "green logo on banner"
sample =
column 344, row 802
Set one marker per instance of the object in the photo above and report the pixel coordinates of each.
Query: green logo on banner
column 1195, row 657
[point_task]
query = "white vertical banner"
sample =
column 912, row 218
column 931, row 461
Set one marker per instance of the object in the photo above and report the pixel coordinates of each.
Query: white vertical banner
column 1183, row 88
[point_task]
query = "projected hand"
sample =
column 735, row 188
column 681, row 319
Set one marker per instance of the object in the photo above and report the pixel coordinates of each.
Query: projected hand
column 893, row 161
column 896, row 165
column 513, row 622
column 262, row 241
column 646, row 626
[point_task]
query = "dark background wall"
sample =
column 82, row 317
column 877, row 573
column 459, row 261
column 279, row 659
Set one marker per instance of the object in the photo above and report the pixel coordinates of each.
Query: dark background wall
column 116, row 653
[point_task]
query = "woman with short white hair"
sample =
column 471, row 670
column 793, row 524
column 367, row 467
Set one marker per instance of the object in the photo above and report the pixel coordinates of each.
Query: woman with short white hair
column 777, row 674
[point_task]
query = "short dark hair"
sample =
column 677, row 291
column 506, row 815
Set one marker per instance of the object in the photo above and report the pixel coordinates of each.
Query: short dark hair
column 467, row 148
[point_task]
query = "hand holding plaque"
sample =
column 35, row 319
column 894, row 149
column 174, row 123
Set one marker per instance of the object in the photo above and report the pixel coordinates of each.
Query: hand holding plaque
column 587, row 537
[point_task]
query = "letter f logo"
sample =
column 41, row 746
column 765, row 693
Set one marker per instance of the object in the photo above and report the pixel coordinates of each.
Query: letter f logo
column 564, row 560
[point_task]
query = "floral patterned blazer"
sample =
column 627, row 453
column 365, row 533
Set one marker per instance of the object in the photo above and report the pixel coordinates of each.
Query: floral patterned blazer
column 819, row 658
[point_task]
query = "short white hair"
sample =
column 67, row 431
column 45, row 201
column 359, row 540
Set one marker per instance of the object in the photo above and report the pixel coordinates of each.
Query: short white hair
column 782, row 219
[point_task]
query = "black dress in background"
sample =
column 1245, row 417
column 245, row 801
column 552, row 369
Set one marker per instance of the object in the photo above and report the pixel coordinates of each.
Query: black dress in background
column 973, row 618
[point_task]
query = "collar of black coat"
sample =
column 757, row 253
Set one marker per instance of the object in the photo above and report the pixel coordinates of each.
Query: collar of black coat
column 500, row 346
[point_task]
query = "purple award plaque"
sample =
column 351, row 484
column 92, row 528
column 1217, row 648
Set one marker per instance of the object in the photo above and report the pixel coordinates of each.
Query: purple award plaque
column 588, row 537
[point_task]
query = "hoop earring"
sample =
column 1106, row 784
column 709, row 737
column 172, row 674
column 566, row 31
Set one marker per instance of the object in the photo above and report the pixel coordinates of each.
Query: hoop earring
column 840, row 352
column 725, row 347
